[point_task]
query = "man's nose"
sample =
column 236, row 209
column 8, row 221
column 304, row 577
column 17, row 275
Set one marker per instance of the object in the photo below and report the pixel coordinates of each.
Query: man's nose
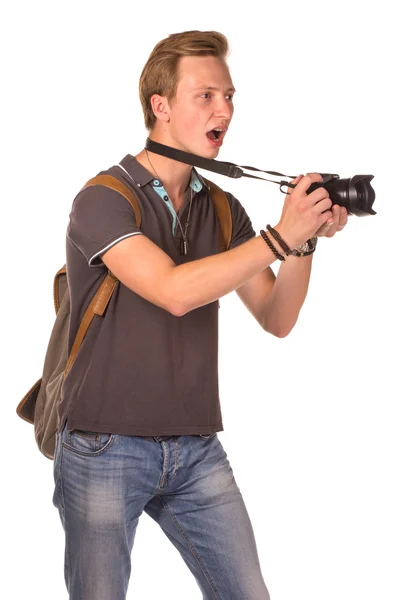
column 224, row 109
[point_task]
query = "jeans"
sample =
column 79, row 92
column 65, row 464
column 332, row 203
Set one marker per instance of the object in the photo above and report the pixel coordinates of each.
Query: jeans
column 104, row 481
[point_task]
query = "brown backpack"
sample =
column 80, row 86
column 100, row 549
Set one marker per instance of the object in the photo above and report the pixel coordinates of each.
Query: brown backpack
column 40, row 405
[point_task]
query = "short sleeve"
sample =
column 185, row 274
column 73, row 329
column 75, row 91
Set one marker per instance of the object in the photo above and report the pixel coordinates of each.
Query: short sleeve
column 99, row 219
column 242, row 228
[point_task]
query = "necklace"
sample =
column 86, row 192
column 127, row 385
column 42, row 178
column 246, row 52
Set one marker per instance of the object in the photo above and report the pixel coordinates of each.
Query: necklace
column 184, row 241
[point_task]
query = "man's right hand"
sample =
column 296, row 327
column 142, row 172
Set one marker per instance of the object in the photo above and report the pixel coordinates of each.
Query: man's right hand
column 303, row 214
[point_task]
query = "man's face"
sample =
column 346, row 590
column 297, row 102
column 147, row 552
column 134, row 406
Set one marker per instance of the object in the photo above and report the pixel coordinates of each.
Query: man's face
column 203, row 103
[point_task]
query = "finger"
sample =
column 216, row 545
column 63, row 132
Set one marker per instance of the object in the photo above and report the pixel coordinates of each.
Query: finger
column 319, row 194
column 324, row 229
column 343, row 218
column 294, row 182
column 334, row 224
column 325, row 220
column 306, row 181
column 323, row 205
column 297, row 178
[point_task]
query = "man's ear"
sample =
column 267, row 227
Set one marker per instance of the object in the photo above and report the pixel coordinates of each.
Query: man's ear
column 160, row 107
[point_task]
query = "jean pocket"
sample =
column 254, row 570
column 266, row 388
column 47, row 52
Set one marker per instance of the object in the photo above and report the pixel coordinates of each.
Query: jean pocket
column 88, row 443
column 207, row 436
column 56, row 459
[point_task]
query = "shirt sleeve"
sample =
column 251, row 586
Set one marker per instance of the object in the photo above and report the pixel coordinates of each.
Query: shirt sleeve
column 242, row 228
column 100, row 218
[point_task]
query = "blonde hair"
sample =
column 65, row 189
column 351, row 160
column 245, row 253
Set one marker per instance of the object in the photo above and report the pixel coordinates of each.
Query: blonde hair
column 160, row 73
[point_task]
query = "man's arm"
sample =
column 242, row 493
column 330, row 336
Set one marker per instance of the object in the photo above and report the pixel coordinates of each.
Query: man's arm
column 276, row 301
column 148, row 271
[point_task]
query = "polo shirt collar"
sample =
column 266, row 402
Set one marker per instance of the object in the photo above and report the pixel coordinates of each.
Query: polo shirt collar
column 142, row 176
column 199, row 181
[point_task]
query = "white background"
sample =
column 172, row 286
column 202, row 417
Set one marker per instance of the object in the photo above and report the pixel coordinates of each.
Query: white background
column 311, row 421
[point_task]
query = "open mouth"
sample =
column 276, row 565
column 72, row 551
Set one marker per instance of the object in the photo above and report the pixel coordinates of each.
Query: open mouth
column 216, row 135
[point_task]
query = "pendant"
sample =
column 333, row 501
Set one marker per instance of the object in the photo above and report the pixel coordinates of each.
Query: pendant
column 184, row 247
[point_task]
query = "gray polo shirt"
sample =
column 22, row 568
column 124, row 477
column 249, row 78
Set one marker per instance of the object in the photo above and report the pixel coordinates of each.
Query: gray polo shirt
column 140, row 370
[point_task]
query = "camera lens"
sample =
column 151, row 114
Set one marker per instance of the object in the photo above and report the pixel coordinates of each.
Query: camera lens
column 356, row 194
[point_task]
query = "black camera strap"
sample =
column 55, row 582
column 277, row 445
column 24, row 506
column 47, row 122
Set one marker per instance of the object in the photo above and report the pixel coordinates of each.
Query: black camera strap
column 355, row 194
column 217, row 166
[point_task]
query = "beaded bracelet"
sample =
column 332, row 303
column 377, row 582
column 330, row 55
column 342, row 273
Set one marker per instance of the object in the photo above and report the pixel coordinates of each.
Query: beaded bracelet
column 271, row 246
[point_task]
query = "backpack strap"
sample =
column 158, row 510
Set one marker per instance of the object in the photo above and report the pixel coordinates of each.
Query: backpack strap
column 222, row 206
column 114, row 184
column 102, row 297
column 97, row 306
column 58, row 287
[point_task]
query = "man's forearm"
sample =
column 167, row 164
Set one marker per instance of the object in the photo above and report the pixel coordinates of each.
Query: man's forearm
column 283, row 304
column 202, row 281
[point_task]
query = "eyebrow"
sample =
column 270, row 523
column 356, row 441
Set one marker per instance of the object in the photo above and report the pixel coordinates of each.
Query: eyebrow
column 214, row 89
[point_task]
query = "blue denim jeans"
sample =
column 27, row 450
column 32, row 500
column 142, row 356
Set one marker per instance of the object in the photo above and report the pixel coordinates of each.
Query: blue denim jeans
column 104, row 481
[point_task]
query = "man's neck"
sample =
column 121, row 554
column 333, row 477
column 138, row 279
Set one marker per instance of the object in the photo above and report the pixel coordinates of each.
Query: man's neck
column 174, row 175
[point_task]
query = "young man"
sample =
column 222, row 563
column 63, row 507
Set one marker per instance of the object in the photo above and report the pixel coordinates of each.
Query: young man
column 140, row 411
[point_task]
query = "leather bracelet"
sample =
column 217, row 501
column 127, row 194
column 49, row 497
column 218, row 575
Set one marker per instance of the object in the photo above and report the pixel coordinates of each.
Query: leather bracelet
column 305, row 249
column 280, row 240
column 271, row 246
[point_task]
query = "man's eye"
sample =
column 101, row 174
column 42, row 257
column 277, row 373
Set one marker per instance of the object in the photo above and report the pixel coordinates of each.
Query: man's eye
column 207, row 94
